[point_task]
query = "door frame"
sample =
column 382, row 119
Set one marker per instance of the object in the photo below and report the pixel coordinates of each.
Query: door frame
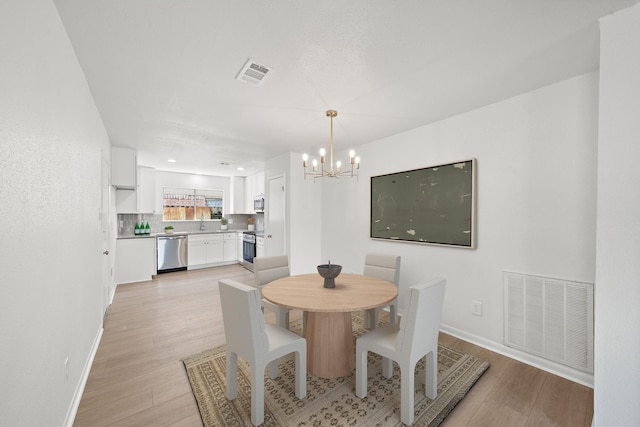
column 106, row 275
column 268, row 209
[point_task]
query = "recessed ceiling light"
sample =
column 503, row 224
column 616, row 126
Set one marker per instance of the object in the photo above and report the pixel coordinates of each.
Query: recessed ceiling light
column 240, row 168
column 171, row 160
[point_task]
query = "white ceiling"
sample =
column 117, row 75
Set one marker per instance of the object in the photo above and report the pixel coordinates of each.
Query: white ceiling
column 162, row 72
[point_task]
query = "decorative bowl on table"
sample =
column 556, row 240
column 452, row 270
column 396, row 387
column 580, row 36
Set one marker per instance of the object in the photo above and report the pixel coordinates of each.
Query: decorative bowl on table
column 169, row 231
column 329, row 272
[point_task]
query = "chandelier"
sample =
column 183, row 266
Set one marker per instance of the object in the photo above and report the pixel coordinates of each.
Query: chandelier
column 354, row 161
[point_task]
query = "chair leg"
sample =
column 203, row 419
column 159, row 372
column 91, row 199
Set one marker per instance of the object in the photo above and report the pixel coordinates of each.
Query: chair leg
column 257, row 394
column 406, row 394
column 370, row 318
column 282, row 318
column 387, row 367
column 273, row 369
column 301, row 372
column 232, row 375
column 361, row 371
column 393, row 315
column 431, row 373
column 375, row 316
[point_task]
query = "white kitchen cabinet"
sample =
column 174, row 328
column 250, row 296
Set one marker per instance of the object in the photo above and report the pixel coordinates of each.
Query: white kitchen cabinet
column 230, row 247
column 260, row 183
column 142, row 199
column 215, row 250
column 238, row 204
column 196, row 252
column 205, row 250
column 248, row 195
column 135, row 259
column 146, row 190
column 254, row 185
column 123, row 168
column 240, row 248
column 260, row 250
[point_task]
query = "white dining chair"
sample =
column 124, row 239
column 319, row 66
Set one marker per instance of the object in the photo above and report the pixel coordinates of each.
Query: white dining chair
column 259, row 344
column 267, row 269
column 416, row 337
column 386, row 267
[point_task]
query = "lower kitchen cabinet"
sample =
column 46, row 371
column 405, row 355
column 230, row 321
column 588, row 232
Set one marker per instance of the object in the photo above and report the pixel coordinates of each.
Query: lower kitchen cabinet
column 135, row 260
column 260, row 250
column 230, row 247
column 240, row 248
column 211, row 249
column 204, row 250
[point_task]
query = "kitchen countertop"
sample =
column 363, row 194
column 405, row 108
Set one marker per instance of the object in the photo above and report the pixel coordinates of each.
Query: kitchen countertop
column 185, row 233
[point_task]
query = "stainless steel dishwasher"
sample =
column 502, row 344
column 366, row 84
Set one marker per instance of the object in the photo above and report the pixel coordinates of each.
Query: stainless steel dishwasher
column 172, row 253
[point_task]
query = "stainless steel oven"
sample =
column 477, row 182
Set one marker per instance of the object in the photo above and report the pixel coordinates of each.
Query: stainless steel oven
column 248, row 249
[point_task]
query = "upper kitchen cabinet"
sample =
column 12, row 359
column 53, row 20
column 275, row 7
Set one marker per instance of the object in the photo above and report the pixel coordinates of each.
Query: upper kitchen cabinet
column 143, row 198
column 238, row 204
column 123, row 168
column 254, row 185
column 146, row 190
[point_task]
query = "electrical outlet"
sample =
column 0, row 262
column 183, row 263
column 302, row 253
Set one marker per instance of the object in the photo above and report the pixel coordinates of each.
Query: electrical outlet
column 66, row 369
column 476, row 308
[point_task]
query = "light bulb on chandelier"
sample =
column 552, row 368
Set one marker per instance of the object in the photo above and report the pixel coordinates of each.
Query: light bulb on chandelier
column 354, row 161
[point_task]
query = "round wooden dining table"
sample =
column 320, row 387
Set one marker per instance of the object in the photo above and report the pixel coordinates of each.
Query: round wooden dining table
column 329, row 335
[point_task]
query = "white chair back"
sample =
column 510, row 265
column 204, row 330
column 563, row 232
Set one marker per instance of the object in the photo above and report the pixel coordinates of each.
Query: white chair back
column 244, row 326
column 269, row 268
column 258, row 344
column 420, row 327
column 383, row 266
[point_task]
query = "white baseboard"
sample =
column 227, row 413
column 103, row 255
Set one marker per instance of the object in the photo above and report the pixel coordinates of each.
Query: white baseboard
column 77, row 396
column 563, row 371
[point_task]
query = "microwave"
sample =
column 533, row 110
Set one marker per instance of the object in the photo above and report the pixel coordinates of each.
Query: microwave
column 258, row 203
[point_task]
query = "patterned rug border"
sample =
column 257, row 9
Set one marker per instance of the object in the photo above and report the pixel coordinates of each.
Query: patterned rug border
column 453, row 384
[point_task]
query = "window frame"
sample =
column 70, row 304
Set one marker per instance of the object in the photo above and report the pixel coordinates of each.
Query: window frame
column 194, row 194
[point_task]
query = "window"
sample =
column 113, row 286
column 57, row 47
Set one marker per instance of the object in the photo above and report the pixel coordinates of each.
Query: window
column 186, row 204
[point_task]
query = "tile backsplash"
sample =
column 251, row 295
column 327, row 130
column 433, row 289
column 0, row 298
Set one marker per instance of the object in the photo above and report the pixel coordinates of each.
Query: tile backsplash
column 127, row 222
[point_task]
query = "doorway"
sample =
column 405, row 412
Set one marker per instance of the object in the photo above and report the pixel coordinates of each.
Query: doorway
column 276, row 216
column 105, row 226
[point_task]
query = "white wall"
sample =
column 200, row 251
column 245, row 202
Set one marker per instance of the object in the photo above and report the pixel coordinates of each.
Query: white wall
column 304, row 222
column 536, row 201
column 50, row 257
column 617, row 345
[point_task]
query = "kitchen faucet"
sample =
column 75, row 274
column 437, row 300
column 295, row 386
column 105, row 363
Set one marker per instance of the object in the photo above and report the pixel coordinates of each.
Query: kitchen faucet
column 201, row 222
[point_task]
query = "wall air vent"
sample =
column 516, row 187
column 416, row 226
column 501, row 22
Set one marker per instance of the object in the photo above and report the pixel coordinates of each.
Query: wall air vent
column 551, row 318
column 254, row 73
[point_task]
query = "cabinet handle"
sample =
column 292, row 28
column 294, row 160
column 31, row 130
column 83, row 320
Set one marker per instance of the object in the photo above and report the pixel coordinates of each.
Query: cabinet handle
column 105, row 253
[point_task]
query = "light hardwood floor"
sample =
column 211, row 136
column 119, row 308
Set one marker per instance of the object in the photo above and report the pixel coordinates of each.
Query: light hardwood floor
column 138, row 379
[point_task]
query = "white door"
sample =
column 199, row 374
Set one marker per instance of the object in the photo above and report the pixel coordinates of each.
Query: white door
column 105, row 224
column 275, row 217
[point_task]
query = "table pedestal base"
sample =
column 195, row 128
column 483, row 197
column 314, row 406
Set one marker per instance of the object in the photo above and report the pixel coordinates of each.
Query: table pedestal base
column 330, row 352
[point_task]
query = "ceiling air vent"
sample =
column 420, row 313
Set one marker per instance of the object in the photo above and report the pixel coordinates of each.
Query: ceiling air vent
column 253, row 73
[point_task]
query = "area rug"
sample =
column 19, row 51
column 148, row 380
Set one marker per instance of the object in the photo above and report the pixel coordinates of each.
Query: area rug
column 329, row 402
